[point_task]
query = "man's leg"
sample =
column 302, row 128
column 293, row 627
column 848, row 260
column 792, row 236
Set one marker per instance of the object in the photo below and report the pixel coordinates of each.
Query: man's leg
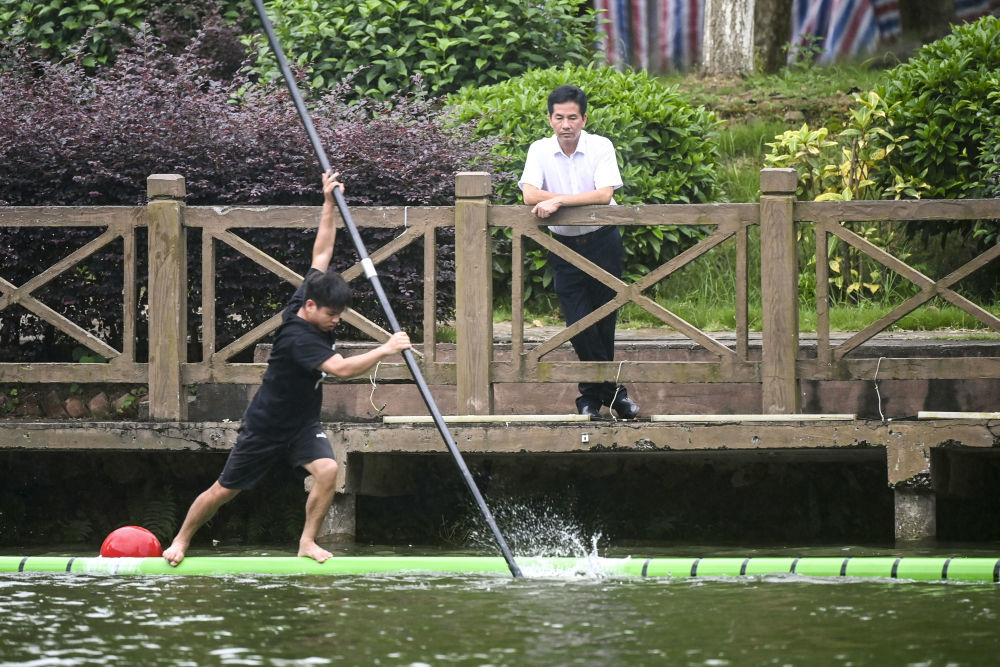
column 572, row 287
column 324, row 473
column 202, row 509
column 580, row 294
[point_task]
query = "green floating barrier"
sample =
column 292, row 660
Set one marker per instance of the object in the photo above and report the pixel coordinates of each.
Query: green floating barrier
column 883, row 567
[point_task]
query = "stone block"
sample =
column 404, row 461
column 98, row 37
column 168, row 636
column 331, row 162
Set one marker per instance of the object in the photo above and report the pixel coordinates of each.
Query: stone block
column 75, row 407
column 99, row 405
column 52, row 405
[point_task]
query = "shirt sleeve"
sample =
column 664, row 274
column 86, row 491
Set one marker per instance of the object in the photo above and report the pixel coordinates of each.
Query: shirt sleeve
column 606, row 166
column 311, row 349
column 532, row 174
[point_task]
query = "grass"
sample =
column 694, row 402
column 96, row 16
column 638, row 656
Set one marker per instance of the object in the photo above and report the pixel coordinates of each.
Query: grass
column 720, row 315
column 755, row 109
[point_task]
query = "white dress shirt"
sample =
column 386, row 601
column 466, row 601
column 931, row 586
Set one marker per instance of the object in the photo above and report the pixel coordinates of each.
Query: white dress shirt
column 592, row 166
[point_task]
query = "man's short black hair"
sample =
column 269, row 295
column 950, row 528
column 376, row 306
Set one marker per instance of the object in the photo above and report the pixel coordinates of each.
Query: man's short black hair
column 328, row 290
column 568, row 94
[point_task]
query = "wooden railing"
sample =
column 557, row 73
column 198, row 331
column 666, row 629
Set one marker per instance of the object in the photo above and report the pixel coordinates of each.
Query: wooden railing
column 475, row 369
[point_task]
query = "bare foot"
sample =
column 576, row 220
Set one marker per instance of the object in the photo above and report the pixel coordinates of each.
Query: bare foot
column 314, row 551
column 174, row 554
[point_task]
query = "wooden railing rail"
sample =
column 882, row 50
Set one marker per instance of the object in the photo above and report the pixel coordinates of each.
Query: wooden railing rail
column 476, row 370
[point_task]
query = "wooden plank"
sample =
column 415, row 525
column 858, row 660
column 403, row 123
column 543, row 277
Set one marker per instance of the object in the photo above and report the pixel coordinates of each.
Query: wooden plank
column 823, row 350
column 129, row 294
column 977, row 416
column 742, row 298
column 473, row 295
column 883, row 323
column 879, row 255
column 167, row 306
column 259, row 257
column 127, row 372
column 225, row 373
column 683, row 326
column 15, row 294
column 65, row 325
column 430, row 293
column 779, row 296
column 680, row 261
column 654, row 214
column 909, row 368
column 220, row 218
column 209, row 332
column 944, row 210
column 73, row 216
column 266, row 327
column 633, row 372
column 517, row 297
column 485, row 419
column 717, row 419
column 614, row 438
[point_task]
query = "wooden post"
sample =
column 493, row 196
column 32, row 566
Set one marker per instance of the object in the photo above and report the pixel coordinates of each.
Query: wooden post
column 167, row 297
column 779, row 292
column 473, row 294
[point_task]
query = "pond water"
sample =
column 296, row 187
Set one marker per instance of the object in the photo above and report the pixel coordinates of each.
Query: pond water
column 421, row 619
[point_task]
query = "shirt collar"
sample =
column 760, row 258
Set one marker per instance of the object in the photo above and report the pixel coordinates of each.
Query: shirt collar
column 581, row 146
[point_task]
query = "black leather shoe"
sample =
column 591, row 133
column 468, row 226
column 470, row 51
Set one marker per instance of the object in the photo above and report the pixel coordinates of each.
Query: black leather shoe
column 589, row 408
column 625, row 408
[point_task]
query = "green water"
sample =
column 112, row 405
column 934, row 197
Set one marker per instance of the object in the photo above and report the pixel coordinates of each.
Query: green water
column 414, row 619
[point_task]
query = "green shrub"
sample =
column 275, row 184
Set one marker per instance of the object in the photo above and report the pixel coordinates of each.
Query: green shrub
column 449, row 43
column 667, row 150
column 946, row 109
column 100, row 28
column 989, row 156
column 53, row 26
column 945, row 101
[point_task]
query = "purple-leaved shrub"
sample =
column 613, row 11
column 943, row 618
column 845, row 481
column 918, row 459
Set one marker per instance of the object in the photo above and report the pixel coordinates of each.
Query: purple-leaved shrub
column 69, row 137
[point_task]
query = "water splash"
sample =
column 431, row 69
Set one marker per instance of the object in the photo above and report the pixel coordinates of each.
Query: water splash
column 538, row 530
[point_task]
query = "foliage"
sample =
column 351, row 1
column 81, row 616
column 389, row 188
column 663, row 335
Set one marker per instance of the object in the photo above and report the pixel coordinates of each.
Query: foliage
column 949, row 108
column 810, row 153
column 51, row 27
column 862, row 148
column 941, row 99
column 69, row 138
column 667, row 149
column 98, row 29
column 865, row 146
column 450, row 43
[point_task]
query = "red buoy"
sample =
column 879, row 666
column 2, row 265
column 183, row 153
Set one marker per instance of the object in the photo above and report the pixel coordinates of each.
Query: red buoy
column 131, row 541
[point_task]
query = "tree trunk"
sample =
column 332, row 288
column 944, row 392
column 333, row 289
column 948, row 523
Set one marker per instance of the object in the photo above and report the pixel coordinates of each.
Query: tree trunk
column 924, row 21
column 727, row 44
column 772, row 33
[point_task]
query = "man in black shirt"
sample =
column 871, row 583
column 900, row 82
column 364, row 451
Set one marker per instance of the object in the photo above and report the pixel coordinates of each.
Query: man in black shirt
column 282, row 421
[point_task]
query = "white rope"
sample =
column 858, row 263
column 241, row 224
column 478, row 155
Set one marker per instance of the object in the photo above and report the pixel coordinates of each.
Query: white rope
column 371, row 397
column 617, row 389
column 877, row 393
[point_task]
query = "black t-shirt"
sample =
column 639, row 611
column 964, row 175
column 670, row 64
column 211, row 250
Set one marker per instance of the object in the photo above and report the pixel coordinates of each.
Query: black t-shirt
column 291, row 393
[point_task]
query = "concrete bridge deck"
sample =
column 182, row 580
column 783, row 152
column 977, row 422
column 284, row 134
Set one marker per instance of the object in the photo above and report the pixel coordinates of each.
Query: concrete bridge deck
column 916, row 453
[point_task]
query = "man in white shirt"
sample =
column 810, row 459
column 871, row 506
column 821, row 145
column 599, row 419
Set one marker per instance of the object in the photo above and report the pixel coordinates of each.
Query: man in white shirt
column 574, row 168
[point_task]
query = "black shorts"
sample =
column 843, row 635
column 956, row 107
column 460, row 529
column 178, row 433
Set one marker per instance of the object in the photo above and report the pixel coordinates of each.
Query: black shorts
column 253, row 456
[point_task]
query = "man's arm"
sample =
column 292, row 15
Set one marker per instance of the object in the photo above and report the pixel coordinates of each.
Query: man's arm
column 348, row 367
column 326, row 234
column 546, row 203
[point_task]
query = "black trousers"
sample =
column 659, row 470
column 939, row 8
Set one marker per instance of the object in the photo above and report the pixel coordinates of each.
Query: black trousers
column 580, row 294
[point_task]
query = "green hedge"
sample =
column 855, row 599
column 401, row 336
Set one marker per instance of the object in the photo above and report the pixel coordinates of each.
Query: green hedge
column 947, row 109
column 449, row 43
column 667, row 150
column 100, row 28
